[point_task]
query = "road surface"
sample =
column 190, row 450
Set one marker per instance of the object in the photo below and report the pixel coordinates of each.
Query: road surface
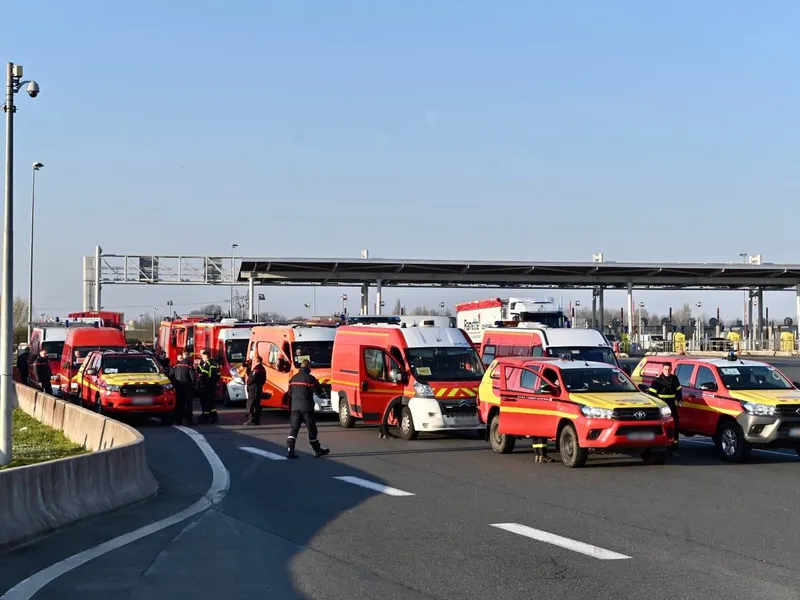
column 457, row 521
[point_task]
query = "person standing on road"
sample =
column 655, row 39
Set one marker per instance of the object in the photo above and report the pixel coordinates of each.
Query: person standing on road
column 256, row 378
column 667, row 387
column 43, row 372
column 209, row 376
column 301, row 403
column 540, row 450
column 23, row 366
column 184, row 378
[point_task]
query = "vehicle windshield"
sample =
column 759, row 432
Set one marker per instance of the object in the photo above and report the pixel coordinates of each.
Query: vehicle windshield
column 600, row 354
column 596, row 381
column 549, row 319
column 445, row 364
column 113, row 365
column 54, row 349
column 760, row 377
column 79, row 354
column 316, row 353
column 236, row 350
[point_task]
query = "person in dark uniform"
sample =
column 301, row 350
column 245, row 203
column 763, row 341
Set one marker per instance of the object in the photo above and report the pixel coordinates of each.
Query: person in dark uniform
column 209, row 376
column 184, row 379
column 43, row 372
column 540, row 450
column 163, row 360
column 256, row 378
column 301, row 389
column 667, row 387
column 23, row 366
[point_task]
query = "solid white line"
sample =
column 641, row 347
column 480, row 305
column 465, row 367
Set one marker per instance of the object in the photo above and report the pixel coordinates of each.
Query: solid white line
column 264, row 453
column 220, row 482
column 562, row 542
column 709, row 443
column 378, row 487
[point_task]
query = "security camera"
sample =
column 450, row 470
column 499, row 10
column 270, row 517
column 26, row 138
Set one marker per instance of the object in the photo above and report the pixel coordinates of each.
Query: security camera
column 33, row 89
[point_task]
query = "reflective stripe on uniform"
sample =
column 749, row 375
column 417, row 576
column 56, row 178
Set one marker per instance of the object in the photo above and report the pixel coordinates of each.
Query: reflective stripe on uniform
column 539, row 446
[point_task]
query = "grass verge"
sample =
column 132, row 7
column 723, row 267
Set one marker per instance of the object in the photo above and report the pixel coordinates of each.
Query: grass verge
column 34, row 442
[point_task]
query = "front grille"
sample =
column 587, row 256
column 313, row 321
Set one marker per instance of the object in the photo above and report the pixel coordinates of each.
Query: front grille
column 326, row 390
column 456, row 410
column 787, row 410
column 628, row 429
column 628, row 414
column 141, row 390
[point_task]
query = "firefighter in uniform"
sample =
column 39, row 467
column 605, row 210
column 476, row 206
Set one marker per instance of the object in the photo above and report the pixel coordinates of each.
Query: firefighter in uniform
column 43, row 372
column 184, row 378
column 540, row 450
column 256, row 378
column 209, row 376
column 301, row 391
column 666, row 387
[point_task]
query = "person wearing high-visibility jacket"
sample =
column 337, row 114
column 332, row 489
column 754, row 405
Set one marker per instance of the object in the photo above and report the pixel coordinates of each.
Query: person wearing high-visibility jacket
column 667, row 387
column 302, row 388
column 208, row 372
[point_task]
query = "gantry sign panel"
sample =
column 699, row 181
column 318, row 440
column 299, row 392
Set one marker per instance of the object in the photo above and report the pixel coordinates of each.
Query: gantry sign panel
column 166, row 270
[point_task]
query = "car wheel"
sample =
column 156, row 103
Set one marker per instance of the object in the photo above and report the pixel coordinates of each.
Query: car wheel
column 501, row 443
column 732, row 445
column 407, row 431
column 345, row 418
column 572, row 455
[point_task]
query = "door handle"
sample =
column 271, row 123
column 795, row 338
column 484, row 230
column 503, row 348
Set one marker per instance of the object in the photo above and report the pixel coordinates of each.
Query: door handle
column 508, row 399
column 364, row 386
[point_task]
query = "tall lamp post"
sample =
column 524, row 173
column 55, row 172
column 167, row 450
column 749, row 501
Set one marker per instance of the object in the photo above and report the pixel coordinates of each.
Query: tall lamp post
column 233, row 276
column 14, row 83
column 36, row 167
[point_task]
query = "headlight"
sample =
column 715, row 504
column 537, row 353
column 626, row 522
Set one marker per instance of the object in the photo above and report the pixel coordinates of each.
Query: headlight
column 665, row 412
column 597, row 413
column 167, row 386
column 236, row 377
column 112, row 388
column 423, row 390
column 761, row 410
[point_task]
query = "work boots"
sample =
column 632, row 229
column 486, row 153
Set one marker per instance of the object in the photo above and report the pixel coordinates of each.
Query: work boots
column 319, row 450
column 290, row 448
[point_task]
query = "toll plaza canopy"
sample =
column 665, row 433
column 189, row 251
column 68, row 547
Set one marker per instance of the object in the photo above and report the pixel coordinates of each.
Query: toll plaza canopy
column 516, row 274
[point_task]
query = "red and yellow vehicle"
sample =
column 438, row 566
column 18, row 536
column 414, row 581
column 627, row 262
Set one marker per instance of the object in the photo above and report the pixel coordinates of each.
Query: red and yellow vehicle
column 125, row 382
column 739, row 404
column 177, row 335
column 227, row 341
column 418, row 378
column 102, row 317
column 79, row 342
column 283, row 348
column 584, row 406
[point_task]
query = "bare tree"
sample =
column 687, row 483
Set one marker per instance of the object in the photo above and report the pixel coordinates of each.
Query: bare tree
column 398, row 307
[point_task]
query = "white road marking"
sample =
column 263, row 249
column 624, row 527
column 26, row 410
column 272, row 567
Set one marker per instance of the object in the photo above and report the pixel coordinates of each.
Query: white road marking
column 220, row 483
column 378, row 487
column 264, row 453
column 711, row 443
column 562, row 542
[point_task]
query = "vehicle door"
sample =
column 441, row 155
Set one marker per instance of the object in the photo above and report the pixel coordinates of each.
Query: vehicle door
column 87, row 378
column 277, row 380
column 687, row 414
column 378, row 387
column 704, row 398
column 527, row 403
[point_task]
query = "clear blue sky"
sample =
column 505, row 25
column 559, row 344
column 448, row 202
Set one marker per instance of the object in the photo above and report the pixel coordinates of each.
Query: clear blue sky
column 415, row 128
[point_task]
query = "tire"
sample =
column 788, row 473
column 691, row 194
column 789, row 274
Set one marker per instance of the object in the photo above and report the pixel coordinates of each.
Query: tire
column 98, row 405
column 572, row 455
column 654, row 457
column 167, row 420
column 732, row 445
column 226, row 398
column 407, row 431
column 345, row 419
column 501, row 443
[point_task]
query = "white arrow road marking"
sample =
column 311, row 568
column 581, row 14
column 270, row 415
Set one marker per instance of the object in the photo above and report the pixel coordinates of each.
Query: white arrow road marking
column 371, row 485
column 264, row 453
column 562, row 542
column 220, row 482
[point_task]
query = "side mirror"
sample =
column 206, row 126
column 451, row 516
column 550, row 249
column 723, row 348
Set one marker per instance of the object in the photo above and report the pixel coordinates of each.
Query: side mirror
column 796, row 384
column 90, row 372
column 627, row 370
column 644, row 388
column 547, row 389
column 396, row 376
column 709, row 387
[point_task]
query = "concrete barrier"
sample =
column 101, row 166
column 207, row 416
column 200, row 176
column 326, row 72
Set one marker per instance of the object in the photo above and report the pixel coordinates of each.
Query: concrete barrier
column 38, row 499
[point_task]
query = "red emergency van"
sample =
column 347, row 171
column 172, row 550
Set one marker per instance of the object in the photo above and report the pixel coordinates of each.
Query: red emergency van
column 79, row 342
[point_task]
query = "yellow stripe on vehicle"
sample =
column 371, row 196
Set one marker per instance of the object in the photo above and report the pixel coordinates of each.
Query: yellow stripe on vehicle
column 536, row 411
column 706, row 408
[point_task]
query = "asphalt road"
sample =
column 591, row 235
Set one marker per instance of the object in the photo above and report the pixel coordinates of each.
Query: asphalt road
column 471, row 524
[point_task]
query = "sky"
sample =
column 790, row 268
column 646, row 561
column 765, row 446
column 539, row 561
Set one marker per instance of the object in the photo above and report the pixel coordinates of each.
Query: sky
column 454, row 129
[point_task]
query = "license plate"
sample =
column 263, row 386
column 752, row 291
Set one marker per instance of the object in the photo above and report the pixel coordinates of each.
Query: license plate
column 641, row 436
column 794, row 432
column 142, row 400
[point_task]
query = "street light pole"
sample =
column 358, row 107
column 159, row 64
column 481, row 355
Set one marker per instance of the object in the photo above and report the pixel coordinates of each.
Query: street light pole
column 233, row 268
column 13, row 85
column 36, row 167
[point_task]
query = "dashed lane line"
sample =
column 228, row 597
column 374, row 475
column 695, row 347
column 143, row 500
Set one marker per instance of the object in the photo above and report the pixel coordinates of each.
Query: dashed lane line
column 220, row 483
column 262, row 453
column 371, row 485
column 561, row 542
